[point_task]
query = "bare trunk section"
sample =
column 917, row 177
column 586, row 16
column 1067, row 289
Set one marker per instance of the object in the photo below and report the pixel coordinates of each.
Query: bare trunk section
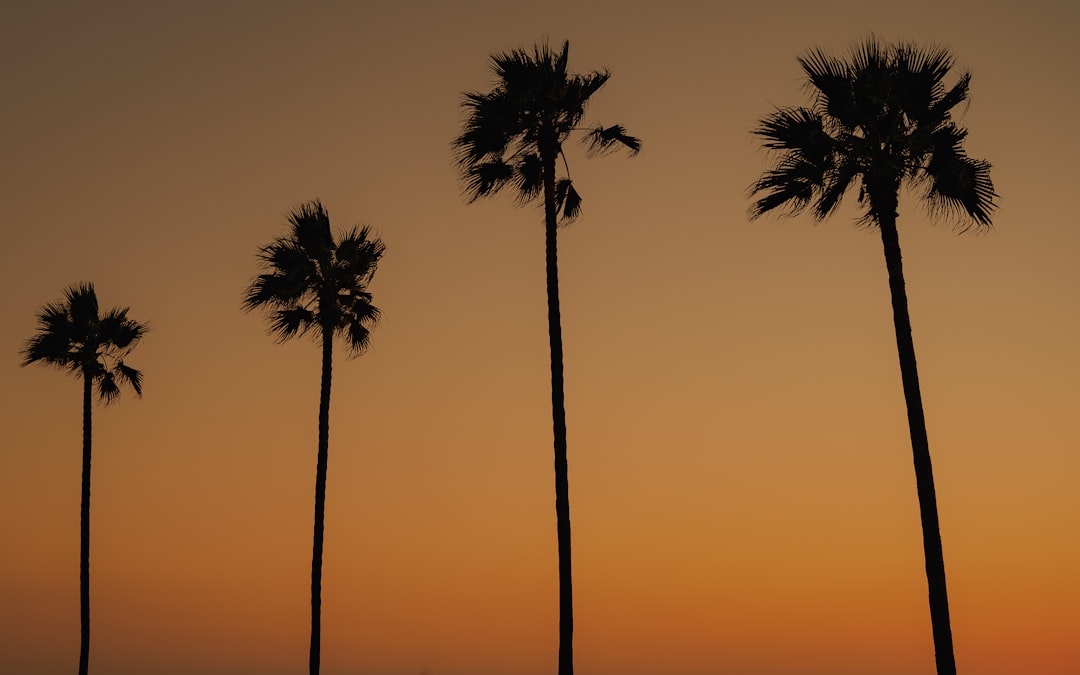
column 924, row 473
column 548, row 153
column 320, row 500
column 84, row 529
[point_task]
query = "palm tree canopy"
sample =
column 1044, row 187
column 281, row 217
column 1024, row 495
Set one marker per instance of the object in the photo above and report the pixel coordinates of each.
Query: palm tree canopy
column 533, row 108
column 310, row 282
column 74, row 336
column 881, row 118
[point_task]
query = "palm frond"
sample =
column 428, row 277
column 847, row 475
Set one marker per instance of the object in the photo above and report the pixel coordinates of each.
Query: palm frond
column 789, row 188
column 834, row 185
column 288, row 323
column 357, row 338
column 602, row 140
column 918, row 81
column 487, row 178
column 311, row 229
column 357, row 318
column 528, row 177
column 130, row 375
column 828, row 79
column 931, row 62
column 491, row 126
column 960, row 187
column 560, row 60
column 288, row 255
column 53, row 348
column 958, row 94
column 120, row 331
column 358, row 254
column 81, row 304
column 805, row 169
column 277, row 289
column 107, row 389
column 799, row 130
column 587, row 85
column 567, row 200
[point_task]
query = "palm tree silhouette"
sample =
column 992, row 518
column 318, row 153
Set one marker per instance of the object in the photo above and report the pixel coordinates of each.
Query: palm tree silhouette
column 514, row 136
column 73, row 336
column 882, row 119
column 313, row 284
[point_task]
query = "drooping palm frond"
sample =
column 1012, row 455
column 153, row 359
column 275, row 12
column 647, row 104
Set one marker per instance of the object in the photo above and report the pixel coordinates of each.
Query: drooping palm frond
column 311, row 283
column 567, row 200
column 360, row 315
column 878, row 119
column 129, row 375
column 73, row 336
column 957, row 185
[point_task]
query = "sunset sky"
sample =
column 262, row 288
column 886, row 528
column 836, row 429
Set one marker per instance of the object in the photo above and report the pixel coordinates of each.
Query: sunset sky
column 742, row 494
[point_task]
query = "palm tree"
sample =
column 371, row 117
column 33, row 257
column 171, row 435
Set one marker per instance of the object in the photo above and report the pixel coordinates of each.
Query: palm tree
column 882, row 120
column 74, row 336
column 313, row 284
column 514, row 136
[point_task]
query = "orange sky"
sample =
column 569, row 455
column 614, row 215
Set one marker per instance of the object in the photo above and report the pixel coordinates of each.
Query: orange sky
column 742, row 495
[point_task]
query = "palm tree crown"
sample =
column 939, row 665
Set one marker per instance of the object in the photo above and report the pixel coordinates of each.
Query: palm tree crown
column 882, row 118
column 73, row 336
column 313, row 283
column 532, row 110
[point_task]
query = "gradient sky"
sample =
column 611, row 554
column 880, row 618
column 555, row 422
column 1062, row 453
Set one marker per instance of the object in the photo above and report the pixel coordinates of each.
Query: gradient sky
column 742, row 495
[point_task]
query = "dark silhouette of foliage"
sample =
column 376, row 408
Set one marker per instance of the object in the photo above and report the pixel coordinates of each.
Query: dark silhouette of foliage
column 513, row 136
column 74, row 336
column 312, row 283
column 879, row 120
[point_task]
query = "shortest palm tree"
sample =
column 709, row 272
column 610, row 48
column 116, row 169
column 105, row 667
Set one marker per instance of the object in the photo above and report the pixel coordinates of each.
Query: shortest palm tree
column 74, row 336
column 312, row 283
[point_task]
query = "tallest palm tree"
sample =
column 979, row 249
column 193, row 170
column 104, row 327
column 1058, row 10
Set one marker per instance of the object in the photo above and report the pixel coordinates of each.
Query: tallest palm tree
column 882, row 119
column 514, row 136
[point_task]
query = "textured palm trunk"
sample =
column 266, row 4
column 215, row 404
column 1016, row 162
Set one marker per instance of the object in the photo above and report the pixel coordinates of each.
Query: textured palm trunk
column 558, row 417
column 320, row 501
column 924, row 473
column 84, row 531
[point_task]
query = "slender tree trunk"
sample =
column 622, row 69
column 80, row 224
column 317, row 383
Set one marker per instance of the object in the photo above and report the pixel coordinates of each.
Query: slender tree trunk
column 320, row 500
column 84, row 531
column 558, row 418
column 924, row 473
